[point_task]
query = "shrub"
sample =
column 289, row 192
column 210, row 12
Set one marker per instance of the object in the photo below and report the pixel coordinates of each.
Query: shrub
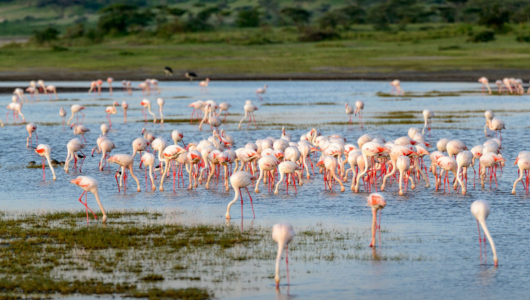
column 482, row 36
column 75, row 31
column 524, row 37
column 248, row 18
column 45, row 36
column 310, row 34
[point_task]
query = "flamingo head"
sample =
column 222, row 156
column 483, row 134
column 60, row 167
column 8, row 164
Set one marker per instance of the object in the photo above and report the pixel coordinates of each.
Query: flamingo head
column 76, row 181
column 110, row 80
column 116, row 103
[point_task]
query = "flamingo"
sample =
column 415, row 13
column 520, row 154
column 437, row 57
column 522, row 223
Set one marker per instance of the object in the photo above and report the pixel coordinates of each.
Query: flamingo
column 204, row 85
column 44, row 151
column 403, row 164
column 464, row 160
column 93, row 87
column 489, row 160
column 396, row 86
column 79, row 130
column 17, row 111
column 74, row 145
column 282, row 234
column 359, row 106
column 62, row 113
column 125, row 106
column 447, row 164
column 267, row 164
column 197, row 107
column 89, row 184
column 76, row 109
column 105, row 146
column 33, row 89
column 104, row 129
column 371, row 150
column 125, row 161
column 177, row 136
column 496, row 125
column 427, row 116
column 454, row 147
column 109, row 81
column 485, row 83
column 147, row 104
column 146, row 89
column 261, row 91
column 330, row 164
column 172, row 152
column 20, row 94
column 349, row 111
column 213, row 120
column 223, row 106
column 194, row 158
column 249, row 111
column 160, row 103
column 148, row 159
column 377, row 202
column 480, row 209
column 289, row 168
column 524, row 166
column 154, row 82
column 111, row 110
column 238, row 180
column 31, row 127
column 52, row 89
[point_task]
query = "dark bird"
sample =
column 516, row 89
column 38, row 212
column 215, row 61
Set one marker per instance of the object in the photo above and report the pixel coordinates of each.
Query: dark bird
column 168, row 71
column 190, row 75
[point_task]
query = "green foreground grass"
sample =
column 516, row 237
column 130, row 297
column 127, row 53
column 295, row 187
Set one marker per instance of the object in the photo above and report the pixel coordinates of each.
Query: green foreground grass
column 222, row 54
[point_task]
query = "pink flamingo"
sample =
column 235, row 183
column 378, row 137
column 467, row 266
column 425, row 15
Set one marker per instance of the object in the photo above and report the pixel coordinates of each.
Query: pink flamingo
column 16, row 108
column 204, row 85
column 485, row 83
column 147, row 104
column 249, row 111
column 261, row 91
column 349, row 111
column 396, row 86
column 89, row 184
column 31, row 128
column 377, row 202
column 238, row 180
column 524, row 166
column 109, row 81
column 197, row 108
column 44, row 151
column 481, row 210
column 125, row 161
column 170, row 153
column 359, row 106
column 76, row 109
column 125, row 106
column 111, row 110
column 79, row 130
column 74, row 145
column 282, row 234
column 52, row 89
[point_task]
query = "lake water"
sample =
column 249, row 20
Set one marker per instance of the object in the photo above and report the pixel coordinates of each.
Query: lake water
column 439, row 243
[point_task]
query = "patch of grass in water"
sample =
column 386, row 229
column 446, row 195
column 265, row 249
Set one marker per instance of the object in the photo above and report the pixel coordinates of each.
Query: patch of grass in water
column 153, row 277
column 185, row 294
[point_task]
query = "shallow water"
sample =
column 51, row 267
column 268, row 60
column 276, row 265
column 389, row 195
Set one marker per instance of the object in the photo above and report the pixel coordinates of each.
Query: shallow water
column 442, row 223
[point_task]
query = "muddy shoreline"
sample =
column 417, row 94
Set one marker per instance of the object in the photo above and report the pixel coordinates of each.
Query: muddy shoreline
column 422, row 76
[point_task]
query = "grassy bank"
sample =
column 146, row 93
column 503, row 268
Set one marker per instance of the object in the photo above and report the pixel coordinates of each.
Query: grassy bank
column 222, row 55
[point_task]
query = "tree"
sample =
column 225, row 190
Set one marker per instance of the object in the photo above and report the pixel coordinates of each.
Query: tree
column 493, row 15
column 298, row 16
column 248, row 17
column 58, row 5
column 356, row 14
column 118, row 18
column 334, row 19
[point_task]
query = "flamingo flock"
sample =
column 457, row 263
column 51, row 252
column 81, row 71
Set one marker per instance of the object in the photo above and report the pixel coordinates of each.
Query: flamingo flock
column 280, row 161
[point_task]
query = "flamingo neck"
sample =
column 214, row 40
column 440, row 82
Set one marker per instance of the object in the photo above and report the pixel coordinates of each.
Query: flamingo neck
column 278, row 258
column 490, row 239
column 96, row 194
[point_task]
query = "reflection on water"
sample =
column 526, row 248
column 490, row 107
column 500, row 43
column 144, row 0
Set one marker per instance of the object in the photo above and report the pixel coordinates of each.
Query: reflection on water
column 428, row 238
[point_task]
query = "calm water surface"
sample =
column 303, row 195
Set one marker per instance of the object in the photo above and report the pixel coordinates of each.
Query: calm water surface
column 439, row 234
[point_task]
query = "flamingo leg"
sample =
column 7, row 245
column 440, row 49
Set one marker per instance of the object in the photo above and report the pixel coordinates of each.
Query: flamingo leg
column 252, row 205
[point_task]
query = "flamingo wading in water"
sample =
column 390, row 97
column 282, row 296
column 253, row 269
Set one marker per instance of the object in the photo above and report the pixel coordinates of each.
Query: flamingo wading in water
column 89, row 184
column 480, row 209
column 282, row 234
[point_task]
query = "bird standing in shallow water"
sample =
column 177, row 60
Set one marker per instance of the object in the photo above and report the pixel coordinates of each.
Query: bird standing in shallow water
column 377, row 202
column 480, row 209
column 282, row 234
column 89, row 184
column 44, row 151
column 238, row 180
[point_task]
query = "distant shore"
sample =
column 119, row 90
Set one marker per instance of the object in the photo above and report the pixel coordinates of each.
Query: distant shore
column 423, row 76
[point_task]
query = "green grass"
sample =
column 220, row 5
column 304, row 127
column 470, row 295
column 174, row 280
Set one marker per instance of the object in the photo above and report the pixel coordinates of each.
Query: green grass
column 216, row 54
